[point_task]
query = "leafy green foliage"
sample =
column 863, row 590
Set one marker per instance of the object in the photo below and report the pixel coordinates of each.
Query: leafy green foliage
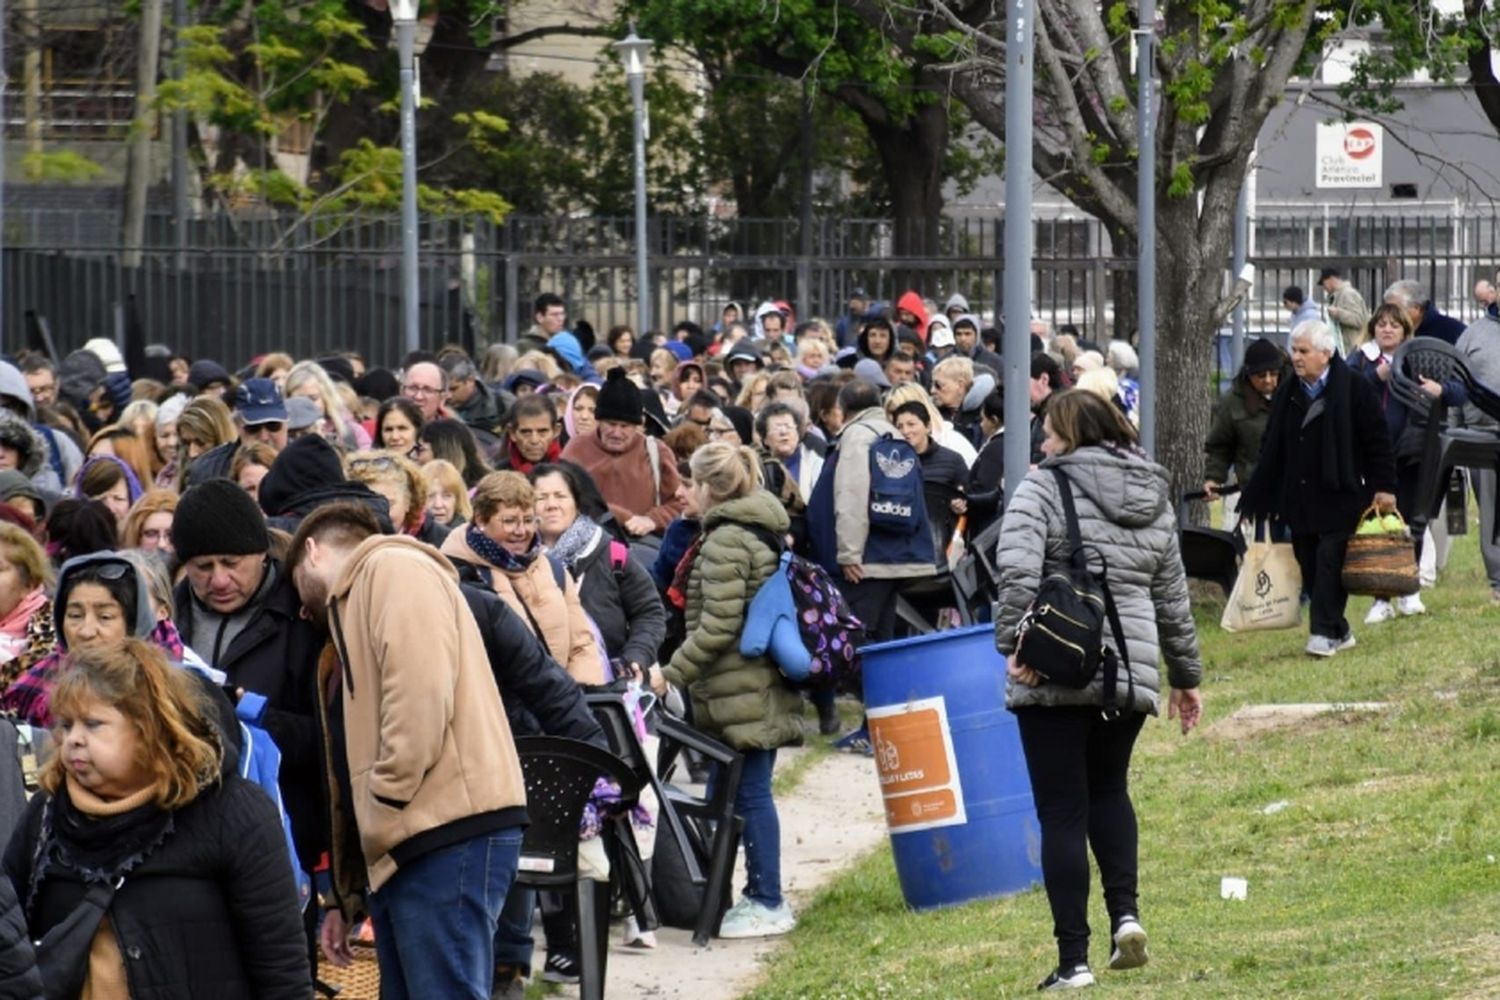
column 64, row 166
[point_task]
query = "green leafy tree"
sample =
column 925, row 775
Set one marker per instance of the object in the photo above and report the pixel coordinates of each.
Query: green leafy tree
column 894, row 94
column 1222, row 65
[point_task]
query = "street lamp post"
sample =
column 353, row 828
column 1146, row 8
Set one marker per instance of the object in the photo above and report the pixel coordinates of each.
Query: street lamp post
column 404, row 13
column 633, row 53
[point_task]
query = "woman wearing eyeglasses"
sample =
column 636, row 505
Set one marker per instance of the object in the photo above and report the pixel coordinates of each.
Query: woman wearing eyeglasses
column 501, row 549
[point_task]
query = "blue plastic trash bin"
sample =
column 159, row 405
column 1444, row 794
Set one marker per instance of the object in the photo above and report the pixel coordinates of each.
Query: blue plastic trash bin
column 957, row 797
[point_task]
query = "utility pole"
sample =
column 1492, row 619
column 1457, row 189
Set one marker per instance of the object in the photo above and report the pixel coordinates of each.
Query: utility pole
column 804, row 259
column 1145, row 192
column 1016, row 345
column 181, row 209
column 138, row 170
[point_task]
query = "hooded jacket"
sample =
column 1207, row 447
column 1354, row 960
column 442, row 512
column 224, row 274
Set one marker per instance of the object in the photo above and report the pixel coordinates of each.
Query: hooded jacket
column 429, row 752
column 482, row 412
column 744, row 702
column 1123, row 511
column 912, row 303
column 16, row 433
column 556, row 612
column 956, row 301
column 757, row 331
column 980, row 354
column 851, row 503
column 1234, row 433
column 570, row 350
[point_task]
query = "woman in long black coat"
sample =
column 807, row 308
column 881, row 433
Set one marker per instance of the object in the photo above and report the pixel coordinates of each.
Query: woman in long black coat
column 1326, row 455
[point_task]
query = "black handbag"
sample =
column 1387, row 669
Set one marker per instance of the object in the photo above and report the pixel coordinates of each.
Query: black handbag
column 1061, row 636
column 62, row 955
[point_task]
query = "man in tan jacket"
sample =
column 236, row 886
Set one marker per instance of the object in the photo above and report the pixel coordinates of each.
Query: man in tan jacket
column 428, row 769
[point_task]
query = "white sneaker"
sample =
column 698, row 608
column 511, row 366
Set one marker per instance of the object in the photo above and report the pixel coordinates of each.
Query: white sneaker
column 749, row 919
column 1380, row 611
column 637, row 938
column 1130, row 946
column 1077, row 978
column 1411, row 604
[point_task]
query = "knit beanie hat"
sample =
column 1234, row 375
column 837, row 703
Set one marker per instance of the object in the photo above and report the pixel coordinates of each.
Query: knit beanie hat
column 218, row 518
column 1262, row 356
column 619, row 399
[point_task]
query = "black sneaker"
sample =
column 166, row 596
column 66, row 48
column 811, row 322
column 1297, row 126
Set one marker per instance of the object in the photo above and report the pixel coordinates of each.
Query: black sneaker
column 1077, row 978
column 563, row 968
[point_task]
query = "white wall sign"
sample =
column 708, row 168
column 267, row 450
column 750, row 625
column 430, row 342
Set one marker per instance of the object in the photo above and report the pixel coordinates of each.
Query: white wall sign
column 1349, row 155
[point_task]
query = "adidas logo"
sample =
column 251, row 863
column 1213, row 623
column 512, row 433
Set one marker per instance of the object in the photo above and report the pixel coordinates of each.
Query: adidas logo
column 892, row 508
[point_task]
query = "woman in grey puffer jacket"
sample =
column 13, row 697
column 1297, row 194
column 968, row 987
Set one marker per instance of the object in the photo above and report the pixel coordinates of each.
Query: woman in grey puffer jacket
column 1077, row 758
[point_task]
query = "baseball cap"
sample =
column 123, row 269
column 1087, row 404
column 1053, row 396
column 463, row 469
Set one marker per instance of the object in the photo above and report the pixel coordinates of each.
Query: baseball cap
column 301, row 413
column 258, row 401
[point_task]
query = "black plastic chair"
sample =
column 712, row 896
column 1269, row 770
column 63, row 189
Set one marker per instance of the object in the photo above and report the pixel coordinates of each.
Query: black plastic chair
column 704, row 831
column 1209, row 554
column 1444, row 448
column 628, row 876
column 560, row 774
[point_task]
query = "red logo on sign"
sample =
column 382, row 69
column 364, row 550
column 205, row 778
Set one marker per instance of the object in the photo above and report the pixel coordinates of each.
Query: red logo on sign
column 1359, row 143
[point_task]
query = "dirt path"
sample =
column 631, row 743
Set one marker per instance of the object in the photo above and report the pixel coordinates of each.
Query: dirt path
column 833, row 817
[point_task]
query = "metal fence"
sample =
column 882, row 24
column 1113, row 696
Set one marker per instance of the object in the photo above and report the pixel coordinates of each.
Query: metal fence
column 232, row 288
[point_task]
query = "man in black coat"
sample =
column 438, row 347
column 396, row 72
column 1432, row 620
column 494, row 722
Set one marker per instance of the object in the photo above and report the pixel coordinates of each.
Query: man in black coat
column 1326, row 455
column 239, row 611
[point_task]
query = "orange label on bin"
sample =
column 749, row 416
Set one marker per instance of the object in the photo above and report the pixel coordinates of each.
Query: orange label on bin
column 918, row 774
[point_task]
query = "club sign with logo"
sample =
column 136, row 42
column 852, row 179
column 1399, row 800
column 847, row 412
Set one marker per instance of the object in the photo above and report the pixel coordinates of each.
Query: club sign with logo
column 1350, row 155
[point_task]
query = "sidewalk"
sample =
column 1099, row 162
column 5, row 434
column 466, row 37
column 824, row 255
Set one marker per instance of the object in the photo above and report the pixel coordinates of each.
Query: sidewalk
column 831, row 819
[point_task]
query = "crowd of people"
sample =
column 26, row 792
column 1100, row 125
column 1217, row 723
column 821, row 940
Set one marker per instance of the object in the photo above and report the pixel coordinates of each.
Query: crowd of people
column 381, row 574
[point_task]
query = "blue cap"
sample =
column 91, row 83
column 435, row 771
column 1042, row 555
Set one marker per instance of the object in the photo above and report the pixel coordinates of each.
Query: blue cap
column 258, row 401
column 681, row 350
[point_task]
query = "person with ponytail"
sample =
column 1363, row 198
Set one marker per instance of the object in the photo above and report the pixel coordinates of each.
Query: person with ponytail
column 742, row 701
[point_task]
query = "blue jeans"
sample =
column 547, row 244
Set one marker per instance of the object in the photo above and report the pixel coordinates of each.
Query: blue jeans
column 513, row 941
column 762, row 826
column 435, row 919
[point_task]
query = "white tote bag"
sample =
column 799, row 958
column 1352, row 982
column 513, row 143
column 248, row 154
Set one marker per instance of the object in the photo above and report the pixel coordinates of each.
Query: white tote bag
column 1268, row 591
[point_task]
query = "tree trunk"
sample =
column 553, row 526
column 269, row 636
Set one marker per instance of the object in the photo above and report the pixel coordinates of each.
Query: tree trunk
column 911, row 158
column 1189, row 283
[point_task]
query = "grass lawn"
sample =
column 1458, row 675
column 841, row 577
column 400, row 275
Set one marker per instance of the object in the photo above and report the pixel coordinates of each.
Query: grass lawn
column 1379, row 878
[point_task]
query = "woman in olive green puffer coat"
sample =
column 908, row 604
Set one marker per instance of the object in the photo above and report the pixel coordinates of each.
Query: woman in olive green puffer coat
column 743, row 701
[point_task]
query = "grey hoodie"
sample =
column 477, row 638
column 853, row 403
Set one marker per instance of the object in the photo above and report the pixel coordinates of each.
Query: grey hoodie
column 145, row 615
column 1123, row 511
column 956, row 301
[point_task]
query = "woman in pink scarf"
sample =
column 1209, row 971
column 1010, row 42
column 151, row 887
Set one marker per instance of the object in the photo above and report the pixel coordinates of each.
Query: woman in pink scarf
column 26, row 629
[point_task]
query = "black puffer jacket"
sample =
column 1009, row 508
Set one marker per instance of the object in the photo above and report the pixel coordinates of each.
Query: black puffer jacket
column 212, row 464
column 540, row 698
column 18, row 976
column 276, row 655
column 211, row 911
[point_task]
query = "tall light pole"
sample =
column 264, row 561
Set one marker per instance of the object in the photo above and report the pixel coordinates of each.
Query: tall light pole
column 633, row 53
column 1020, row 42
column 1145, row 193
column 404, row 13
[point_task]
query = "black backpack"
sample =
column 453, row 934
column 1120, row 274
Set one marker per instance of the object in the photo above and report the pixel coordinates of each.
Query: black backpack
column 1061, row 636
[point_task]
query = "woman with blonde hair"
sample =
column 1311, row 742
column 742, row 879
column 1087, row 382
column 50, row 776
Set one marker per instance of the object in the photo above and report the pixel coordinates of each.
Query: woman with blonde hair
column 148, row 526
column 753, row 391
column 27, row 632
column 140, row 418
column 145, row 832
column 537, row 362
column 744, row 702
column 307, row 378
column 203, row 425
column 400, row 481
column 501, row 549
column 164, row 440
column 251, row 463
column 447, row 496
column 943, row 432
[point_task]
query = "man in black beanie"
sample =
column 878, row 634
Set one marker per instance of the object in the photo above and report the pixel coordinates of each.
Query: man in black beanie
column 239, row 611
column 635, row 478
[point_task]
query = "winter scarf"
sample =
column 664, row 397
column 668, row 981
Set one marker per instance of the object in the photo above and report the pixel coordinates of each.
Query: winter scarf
column 498, row 555
column 30, row 697
column 14, row 625
column 677, row 592
column 519, row 463
column 578, row 540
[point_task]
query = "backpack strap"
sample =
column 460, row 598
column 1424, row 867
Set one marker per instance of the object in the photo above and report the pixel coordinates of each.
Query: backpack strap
column 771, row 539
column 1112, row 662
column 653, row 450
column 1070, row 512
